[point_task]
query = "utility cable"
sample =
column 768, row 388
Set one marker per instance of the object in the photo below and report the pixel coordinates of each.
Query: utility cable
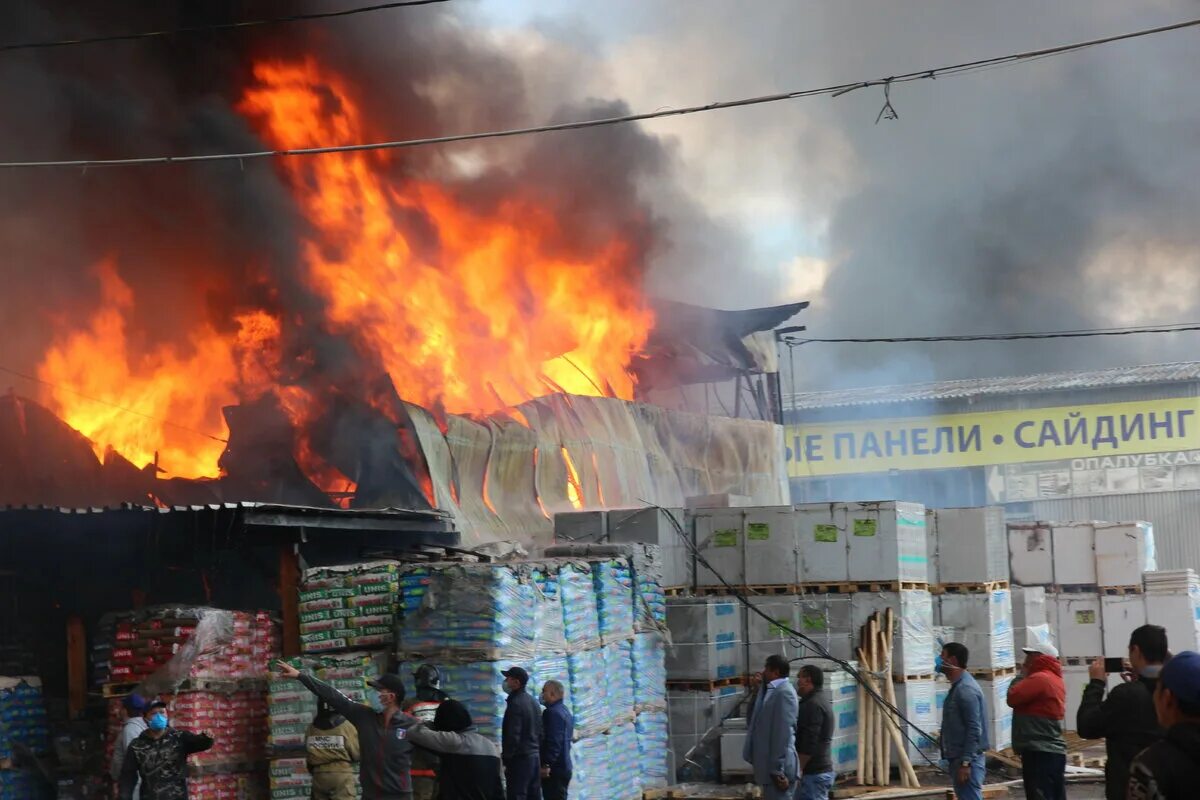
column 216, row 26
column 1001, row 337
column 833, row 91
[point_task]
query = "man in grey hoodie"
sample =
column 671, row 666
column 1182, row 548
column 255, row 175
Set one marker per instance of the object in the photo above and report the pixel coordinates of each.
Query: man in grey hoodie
column 135, row 709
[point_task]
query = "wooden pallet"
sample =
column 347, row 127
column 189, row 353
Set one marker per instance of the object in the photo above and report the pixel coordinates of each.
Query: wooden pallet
column 706, row 686
column 1074, row 588
column 853, row 587
column 1121, row 591
column 223, row 767
column 700, row 791
column 992, row 674
column 910, row 678
column 677, row 591
column 760, row 590
column 986, row 587
column 211, row 685
column 1077, row 661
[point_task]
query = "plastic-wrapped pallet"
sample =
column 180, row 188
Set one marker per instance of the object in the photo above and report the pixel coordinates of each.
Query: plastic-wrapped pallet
column 649, row 672
column 652, row 742
column 290, row 779
column 590, row 780
column 1078, row 624
column 843, row 700
column 624, row 763
column 1173, row 601
column 479, row 686
column 237, row 722
column 19, row 784
column 887, row 542
column 613, row 581
column 913, row 622
column 999, row 715
column 826, row 618
column 549, row 635
column 588, row 686
column 971, row 545
column 771, row 636
column 692, row 714
column 581, row 618
column 228, row 786
column 23, row 722
column 917, row 698
column 475, row 611
column 645, row 562
column 707, row 634
column 349, row 607
column 618, row 667
column 984, row 622
column 843, row 750
column 291, row 707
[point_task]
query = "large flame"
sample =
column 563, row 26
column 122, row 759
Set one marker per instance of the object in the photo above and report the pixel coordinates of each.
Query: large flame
column 162, row 406
column 487, row 317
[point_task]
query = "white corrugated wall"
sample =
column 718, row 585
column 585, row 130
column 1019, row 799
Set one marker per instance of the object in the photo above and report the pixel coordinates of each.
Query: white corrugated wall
column 1174, row 515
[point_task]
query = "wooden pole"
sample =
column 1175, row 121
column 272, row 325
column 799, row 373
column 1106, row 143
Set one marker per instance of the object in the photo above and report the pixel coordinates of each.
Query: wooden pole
column 77, row 667
column 908, row 775
column 876, row 722
column 885, row 667
column 862, row 716
column 289, row 598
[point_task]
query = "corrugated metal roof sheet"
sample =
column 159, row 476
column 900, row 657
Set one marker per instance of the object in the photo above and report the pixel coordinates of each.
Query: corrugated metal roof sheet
column 1179, row 372
column 263, row 508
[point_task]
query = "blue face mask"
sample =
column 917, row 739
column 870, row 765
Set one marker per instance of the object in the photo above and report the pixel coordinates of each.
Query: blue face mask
column 937, row 663
column 158, row 722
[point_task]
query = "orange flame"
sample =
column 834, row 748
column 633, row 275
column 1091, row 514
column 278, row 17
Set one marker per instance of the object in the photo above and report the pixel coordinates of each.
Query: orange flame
column 486, row 318
column 163, row 405
column 574, row 488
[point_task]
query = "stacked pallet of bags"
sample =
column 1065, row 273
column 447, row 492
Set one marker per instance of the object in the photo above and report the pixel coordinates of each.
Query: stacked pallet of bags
column 23, row 727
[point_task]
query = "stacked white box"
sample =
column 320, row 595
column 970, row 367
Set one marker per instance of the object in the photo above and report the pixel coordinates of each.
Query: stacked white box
column 694, row 714
column 999, row 715
column 733, row 740
column 1075, row 677
column 707, row 638
column 1173, row 601
column 912, row 623
column 1030, row 554
column 985, row 622
column 887, row 542
column 747, row 547
column 917, row 699
column 1078, row 624
column 1031, row 618
column 844, row 752
column 1121, row 616
column 827, row 619
column 771, row 637
column 931, row 544
column 821, row 539
column 971, row 545
column 1074, row 546
column 769, row 544
column 657, row 526
column 580, row 526
column 843, row 699
column 719, row 541
column 1124, row 550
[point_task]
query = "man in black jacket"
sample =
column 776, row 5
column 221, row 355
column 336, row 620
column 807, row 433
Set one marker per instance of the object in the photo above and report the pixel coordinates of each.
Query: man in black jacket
column 159, row 757
column 470, row 762
column 814, row 734
column 1126, row 719
column 1169, row 769
column 383, row 741
column 521, row 739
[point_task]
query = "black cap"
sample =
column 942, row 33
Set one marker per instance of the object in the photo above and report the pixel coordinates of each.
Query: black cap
column 517, row 673
column 390, row 683
column 452, row 716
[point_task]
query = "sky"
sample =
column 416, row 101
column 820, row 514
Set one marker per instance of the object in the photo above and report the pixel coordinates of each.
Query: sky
column 1057, row 194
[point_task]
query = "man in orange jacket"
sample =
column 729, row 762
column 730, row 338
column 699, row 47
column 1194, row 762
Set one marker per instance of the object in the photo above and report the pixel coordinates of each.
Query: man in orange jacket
column 1038, row 699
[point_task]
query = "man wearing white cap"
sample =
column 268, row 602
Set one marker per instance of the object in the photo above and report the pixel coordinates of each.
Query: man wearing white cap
column 1038, row 698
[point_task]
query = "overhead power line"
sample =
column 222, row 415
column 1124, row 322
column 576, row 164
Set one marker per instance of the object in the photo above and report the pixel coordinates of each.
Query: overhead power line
column 833, row 91
column 216, row 26
column 1003, row 337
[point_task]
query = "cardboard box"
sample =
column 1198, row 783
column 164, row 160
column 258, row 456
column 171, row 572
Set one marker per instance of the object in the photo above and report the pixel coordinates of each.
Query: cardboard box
column 918, row 700
column 821, row 539
column 985, row 622
column 1179, row 613
column 1030, row 553
column 999, row 715
column 971, row 545
column 887, row 542
column 1074, row 546
column 1122, row 615
column 1079, row 623
column 707, row 638
column 1124, row 550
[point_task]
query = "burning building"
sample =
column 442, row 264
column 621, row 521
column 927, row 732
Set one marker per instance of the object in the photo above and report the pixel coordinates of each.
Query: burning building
column 462, row 330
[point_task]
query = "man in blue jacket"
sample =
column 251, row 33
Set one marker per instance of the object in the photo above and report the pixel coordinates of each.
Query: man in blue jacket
column 770, row 746
column 558, row 728
column 964, row 724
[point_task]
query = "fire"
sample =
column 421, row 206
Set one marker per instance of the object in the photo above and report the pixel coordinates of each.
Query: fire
column 162, row 405
column 478, row 313
column 574, row 488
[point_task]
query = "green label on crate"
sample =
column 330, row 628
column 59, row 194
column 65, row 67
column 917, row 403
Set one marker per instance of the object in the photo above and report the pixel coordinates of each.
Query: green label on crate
column 374, row 630
column 777, row 628
column 325, row 594
column 864, row 527
column 378, row 588
column 825, row 533
column 320, row 636
column 814, row 622
column 316, row 616
column 1085, row 617
column 758, row 531
column 727, row 537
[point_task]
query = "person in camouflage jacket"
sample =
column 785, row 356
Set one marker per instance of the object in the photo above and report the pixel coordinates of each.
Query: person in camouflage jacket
column 159, row 758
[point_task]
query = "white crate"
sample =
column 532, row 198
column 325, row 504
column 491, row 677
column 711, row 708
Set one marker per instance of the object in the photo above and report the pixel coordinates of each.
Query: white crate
column 1124, row 550
column 769, row 542
column 999, row 715
column 844, row 752
column 655, row 526
column 931, row 544
column 971, row 545
column 1029, row 606
column 1074, row 545
column 821, row 539
column 912, row 623
column 1075, row 677
column 1179, row 613
column 827, row 619
column 723, row 500
column 589, row 527
column 985, row 622
column 1122, row 615
column 719, row 541
column 918, row 700
column 695, row 713
column 1078, row 624
column 887, row 542
column 732, row 763
column 707, row 638
column 1030, row 554
column 765, row 638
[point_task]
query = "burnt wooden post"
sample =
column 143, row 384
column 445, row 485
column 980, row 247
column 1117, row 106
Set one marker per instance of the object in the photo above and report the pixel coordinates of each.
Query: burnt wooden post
column 289, row 598
column 77, row 667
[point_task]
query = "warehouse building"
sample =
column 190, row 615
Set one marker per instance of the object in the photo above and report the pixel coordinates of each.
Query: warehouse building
column 1114, row 444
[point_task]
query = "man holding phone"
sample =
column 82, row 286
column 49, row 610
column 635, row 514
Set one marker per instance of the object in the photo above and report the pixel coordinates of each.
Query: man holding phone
column 1126, row 719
